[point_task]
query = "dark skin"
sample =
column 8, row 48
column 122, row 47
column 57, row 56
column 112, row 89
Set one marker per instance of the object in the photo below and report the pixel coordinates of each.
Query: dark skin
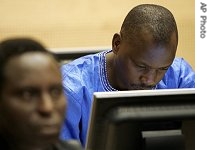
column 32, row 105
column 140, row 63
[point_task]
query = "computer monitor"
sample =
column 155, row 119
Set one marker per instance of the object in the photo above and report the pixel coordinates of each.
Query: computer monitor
column 142, row 120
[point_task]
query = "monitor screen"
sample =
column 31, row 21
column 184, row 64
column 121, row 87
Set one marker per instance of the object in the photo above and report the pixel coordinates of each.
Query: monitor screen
column 142, row 120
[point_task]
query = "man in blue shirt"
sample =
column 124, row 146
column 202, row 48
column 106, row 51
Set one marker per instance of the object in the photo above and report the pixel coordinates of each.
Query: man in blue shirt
column 142, row 58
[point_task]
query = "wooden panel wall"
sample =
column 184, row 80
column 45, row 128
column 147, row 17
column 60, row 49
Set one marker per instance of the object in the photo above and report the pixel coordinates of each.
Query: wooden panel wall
column 86, row 23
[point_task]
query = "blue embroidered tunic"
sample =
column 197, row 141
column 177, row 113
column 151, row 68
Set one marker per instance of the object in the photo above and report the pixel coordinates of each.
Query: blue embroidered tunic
column 86, row 75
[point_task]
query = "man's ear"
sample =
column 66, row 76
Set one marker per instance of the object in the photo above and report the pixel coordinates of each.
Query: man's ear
column 116, row 43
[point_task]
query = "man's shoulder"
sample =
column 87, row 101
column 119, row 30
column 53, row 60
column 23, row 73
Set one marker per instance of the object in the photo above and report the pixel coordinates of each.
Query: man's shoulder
column 89, row 57
column 88, row 61
column 180, row 64
column 180, row 61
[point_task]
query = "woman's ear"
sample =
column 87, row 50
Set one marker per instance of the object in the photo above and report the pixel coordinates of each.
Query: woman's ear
column 116, row 43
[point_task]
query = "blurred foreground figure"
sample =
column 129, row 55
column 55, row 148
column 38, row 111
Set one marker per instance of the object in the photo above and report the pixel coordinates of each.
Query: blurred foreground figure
column 32, row 103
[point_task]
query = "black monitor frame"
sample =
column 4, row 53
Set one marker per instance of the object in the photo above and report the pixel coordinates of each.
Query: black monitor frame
column 140, row 119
